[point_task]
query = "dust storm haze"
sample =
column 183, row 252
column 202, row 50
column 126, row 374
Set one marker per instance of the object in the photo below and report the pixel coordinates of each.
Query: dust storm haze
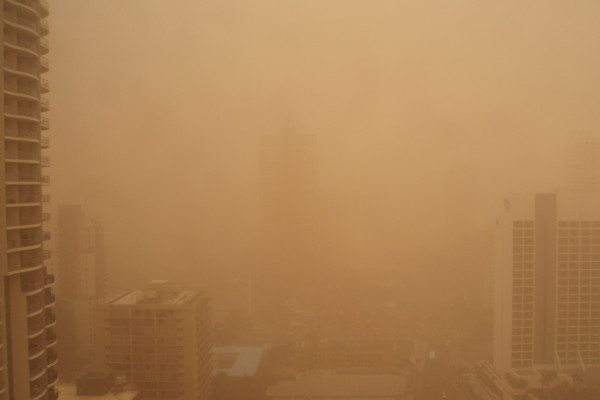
column 425, row 115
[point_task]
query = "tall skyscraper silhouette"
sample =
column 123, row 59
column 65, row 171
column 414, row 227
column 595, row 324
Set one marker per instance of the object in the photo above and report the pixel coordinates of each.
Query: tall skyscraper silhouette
column 27, row 355
column 288, row 176
column 81, row 276
column 583, row 162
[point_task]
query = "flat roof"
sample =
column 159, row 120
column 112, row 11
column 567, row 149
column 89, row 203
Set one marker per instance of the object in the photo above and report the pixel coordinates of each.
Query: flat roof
column 244, row 360
column 153, row 297
column 385, row 386
column 69, row 392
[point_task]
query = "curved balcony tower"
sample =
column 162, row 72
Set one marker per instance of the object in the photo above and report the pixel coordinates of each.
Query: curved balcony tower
column 27, row 340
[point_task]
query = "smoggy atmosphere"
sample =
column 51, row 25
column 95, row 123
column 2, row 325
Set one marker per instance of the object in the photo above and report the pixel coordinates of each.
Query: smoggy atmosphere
column 425, row 114
column 266, row 200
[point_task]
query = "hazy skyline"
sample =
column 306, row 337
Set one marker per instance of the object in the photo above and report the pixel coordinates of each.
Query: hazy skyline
column 157, row 108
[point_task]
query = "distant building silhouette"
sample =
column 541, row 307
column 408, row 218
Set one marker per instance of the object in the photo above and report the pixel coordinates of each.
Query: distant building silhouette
column 583, row 163
column 547, row 281
column 81, row 271
column 28, row 355
column 288, row 176
column 159, row 339
column 81, row 254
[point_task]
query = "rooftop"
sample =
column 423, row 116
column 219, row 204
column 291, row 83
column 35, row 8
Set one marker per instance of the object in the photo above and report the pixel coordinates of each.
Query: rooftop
column 236, row 360
column 156, row 292
column 150, row 297
column 69, row 392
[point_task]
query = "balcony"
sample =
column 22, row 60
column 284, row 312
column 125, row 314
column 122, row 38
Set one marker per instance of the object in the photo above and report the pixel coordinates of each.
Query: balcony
column 36, row 368
column 21, row 178
column 35, row 349
column 21, row 155
column 22, row 243
column 29, row 199
column 21, row 134
column 51, row 356
column 44, row 64
column 49, row 280
column 52, row 376
column 25, row 24
column 44, row 9
column 44, row 85
column 23, row 68
column 22, row 45
column 50, row 317
column 44, row 104
column 44, row 27
column 46, row 235
column 30, row 285
column 37, row 388
column 45, row 161
column 52, row 393
column 24, row 265
column 50, row 337
column 36, row 327
column 23, row 221
column 44, row 123
column 21, row 90
column 20, row 112
column 50, row 299
column 44, row 46
column 33, row 307
column 45, row 179
column 45, row 142
column 30, row 4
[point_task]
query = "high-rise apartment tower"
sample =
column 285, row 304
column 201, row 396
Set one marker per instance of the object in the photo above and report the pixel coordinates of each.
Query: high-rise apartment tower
column 27, row 337
column 547, row 282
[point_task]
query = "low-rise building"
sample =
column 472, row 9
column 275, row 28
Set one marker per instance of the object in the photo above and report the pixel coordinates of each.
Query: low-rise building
column 97, row 386
column 341, row 386
column 157, row 338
